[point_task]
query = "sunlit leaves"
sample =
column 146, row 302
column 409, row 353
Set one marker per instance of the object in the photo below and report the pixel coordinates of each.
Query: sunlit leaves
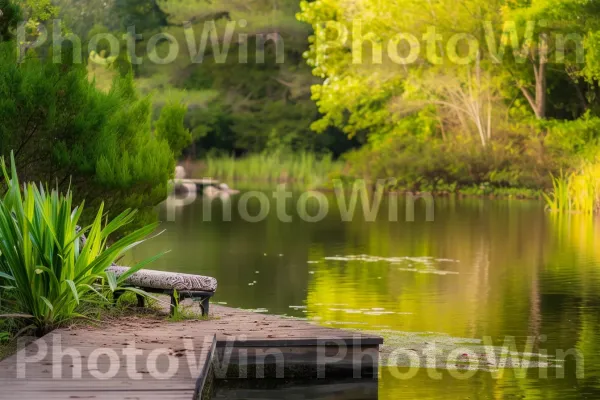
column 50, row 271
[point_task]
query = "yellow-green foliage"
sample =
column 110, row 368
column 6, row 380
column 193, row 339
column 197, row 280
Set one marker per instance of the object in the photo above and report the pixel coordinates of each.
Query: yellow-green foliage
column 578, row 191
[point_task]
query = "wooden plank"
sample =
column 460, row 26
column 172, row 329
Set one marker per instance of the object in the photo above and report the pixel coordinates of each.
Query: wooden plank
column 206, row 370
column 100, row 395
column 301, row 341
column 172, row 343
column 91, row 385
column 204, row 181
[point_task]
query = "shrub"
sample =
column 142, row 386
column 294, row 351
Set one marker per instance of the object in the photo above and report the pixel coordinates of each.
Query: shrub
column 581, row 136
column 169, row 127
column 432, row 164
column 46, row 270
column 65, row 130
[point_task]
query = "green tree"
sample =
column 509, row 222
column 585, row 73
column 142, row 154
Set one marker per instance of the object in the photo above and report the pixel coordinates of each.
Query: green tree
column 10, row 14
column 551, row 54
column 262, row 85
column 66, row 132
column 370, row 80
column 145, row 15
column 529, row 51
column 169, row 127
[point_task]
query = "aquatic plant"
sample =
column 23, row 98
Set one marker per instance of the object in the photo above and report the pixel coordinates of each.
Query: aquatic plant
column 578, row 191
column 558, row 199
column 46, row 270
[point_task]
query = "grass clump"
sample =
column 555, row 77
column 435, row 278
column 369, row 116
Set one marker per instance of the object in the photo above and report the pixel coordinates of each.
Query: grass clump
column 184, row 313
column 576, row 192
column 7, row 348
column 48, row 274
column 274, row 167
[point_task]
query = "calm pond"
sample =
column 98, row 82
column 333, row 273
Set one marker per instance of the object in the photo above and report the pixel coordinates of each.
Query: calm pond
column 481, row 268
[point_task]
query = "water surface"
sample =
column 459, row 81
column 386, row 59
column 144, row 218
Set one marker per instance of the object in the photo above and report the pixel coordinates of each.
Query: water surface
column 493, row 268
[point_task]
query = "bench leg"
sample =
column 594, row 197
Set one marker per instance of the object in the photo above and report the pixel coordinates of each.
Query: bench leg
column 140, row 300
column 116, row 296
column 204, row 305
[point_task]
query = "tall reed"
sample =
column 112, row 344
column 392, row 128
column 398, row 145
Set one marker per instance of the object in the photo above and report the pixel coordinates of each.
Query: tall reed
column 576, row 192
column 303, row 168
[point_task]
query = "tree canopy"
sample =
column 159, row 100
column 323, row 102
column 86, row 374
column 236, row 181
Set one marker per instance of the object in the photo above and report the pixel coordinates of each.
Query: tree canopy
column 66, row 132
column 526, row 58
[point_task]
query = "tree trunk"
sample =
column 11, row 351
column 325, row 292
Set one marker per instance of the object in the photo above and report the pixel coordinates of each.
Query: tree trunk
column 537, row 101
column 540, row 91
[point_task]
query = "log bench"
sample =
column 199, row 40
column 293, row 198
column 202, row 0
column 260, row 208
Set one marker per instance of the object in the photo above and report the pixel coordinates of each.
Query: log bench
column 196, row 287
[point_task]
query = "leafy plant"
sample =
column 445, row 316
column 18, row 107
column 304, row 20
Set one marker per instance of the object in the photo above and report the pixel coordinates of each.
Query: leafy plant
column 579, row 192
column 46, row 269
column 558, row 199
column 4, row 336
column 176, row 311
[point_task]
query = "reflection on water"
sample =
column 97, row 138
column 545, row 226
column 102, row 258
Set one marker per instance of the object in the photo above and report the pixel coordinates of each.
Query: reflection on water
column 277, row 389
column 492, row 268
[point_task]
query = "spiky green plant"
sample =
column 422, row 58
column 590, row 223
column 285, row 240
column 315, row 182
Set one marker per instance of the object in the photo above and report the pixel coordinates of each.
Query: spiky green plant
column 576, row 192
column 559, row 199
column 45, row 269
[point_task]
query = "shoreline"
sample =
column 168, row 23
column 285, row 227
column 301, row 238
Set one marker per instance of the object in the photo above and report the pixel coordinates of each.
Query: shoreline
column 505, row 193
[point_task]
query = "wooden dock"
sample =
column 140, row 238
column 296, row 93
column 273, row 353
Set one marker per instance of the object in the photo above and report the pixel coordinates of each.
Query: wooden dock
column 145, row 358
column 201, row 182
